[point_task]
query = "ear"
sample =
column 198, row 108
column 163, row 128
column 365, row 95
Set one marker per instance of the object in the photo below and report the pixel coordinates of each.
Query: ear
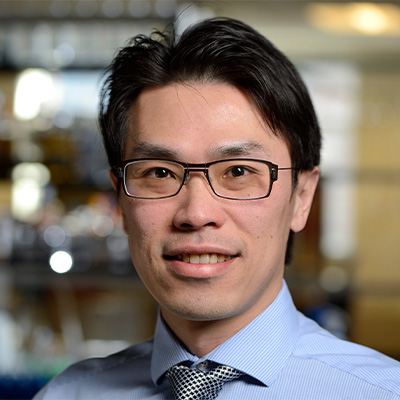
column 303, row 198
column 114, row 182
column 114, row 179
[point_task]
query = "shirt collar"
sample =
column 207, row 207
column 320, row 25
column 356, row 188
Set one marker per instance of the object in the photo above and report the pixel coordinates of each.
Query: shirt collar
column 260, row 349
column 167, row 351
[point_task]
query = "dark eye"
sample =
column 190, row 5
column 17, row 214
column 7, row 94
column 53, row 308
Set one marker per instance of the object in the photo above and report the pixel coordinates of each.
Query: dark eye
column 237, row 171
column 161, row 172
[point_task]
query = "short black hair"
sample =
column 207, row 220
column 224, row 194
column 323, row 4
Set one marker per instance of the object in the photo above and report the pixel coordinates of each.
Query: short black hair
column 220, row 50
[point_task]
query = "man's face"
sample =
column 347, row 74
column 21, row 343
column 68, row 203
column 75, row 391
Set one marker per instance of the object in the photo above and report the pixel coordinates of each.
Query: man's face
column 198, row 123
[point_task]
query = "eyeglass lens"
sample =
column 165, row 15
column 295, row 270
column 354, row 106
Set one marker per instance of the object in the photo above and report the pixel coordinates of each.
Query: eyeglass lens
column 236, row 179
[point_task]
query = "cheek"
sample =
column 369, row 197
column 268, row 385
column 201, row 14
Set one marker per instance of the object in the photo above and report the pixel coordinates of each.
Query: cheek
column 265, row 220
column 141, row 224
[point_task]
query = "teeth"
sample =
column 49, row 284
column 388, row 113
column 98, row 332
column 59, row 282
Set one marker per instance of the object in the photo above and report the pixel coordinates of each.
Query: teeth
column 194, row 259
column 203, row 258
column 221, row 258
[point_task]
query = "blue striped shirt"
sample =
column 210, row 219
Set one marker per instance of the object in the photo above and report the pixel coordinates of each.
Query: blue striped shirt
column 283, row 354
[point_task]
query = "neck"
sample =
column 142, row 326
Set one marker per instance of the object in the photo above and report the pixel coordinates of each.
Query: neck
column 201, row 337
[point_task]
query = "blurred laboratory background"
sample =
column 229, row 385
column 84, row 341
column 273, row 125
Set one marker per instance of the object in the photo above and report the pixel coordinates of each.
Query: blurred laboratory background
column 68, row 289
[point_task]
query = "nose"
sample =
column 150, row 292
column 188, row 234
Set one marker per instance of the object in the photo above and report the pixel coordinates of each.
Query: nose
column 198, row 206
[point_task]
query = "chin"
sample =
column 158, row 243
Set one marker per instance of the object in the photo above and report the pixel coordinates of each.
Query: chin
column 201, row 311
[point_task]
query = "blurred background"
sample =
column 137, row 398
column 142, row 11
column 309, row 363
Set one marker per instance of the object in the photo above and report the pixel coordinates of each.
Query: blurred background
column 67, row 287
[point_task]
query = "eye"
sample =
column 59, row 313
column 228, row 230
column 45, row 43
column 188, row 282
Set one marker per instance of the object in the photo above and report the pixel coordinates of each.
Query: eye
column 160, row 173
column 236, row 171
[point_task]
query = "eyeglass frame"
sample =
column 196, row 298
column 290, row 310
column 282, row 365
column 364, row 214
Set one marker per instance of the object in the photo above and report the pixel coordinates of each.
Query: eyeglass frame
column 120, row 173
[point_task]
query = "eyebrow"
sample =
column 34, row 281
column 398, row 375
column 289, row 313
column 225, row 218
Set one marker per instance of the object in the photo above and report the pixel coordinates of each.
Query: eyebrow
column 231, row 149
column 150, row 150
column 235, row 149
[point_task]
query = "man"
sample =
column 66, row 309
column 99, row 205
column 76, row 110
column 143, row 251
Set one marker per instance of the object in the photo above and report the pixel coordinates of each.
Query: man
column 214, row 148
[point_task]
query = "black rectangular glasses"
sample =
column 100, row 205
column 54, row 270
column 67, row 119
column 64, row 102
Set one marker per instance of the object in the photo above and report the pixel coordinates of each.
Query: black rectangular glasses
column 235, row 179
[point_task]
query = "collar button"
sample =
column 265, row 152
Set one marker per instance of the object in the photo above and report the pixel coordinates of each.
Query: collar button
column 202, row 366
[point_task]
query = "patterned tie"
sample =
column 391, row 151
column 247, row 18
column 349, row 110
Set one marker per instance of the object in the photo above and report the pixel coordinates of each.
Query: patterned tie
column 192, row 384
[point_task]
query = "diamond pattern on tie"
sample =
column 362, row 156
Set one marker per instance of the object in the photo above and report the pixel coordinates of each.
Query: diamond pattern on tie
column 192, row 384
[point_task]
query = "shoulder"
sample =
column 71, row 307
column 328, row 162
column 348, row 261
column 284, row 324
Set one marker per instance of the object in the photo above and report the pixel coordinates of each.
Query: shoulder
column 135, row 355
column 337, row 356
column 95, row 374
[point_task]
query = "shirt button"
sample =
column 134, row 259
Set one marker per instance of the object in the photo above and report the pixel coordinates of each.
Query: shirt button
column 202, row 366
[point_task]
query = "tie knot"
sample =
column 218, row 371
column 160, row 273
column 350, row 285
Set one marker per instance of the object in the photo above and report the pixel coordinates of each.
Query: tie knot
column 192, row 384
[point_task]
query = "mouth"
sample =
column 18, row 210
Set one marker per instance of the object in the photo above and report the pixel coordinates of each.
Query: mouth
column 205, row 258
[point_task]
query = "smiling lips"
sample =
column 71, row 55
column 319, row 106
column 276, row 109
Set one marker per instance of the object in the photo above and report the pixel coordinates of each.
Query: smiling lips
column 207, row 258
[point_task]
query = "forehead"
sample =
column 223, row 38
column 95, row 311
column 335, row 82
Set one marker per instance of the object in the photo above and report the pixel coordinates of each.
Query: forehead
column 215, row 120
